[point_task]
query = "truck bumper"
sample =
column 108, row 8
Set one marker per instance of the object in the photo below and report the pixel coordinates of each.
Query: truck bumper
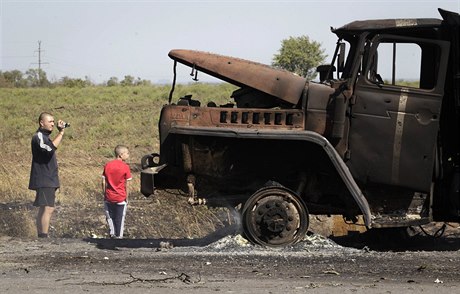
column 148, row 179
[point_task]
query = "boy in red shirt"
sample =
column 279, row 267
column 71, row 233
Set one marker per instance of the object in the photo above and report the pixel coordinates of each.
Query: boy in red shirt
column 115, row 188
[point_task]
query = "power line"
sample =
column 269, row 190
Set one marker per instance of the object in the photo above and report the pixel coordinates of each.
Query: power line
column 16, row 56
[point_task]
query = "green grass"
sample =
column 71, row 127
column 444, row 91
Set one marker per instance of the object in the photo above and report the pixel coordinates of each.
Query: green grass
column 405, row 83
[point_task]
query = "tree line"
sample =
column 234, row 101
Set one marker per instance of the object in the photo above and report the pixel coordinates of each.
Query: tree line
column 35, row 78
column 299, row 55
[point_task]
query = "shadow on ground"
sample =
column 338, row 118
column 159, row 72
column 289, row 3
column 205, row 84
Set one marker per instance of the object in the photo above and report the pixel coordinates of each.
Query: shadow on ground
column 164, row 242
column 396, row 240
column 404, row 239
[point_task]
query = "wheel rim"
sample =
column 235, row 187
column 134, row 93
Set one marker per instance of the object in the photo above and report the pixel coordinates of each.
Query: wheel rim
column 274, row 217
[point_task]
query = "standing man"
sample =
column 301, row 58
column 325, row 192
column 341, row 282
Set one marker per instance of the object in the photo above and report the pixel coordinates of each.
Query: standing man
column 44, row 178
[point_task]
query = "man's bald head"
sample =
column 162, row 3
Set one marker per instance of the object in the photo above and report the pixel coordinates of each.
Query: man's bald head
column 43, row 116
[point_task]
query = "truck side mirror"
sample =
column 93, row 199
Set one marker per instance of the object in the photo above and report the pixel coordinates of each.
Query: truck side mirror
column 326, row 72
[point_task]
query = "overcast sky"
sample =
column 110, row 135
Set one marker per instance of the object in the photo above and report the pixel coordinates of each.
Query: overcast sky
column 102, row 39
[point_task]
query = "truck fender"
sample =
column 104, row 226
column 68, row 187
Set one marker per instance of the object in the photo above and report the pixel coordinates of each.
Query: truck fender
column 303, row 135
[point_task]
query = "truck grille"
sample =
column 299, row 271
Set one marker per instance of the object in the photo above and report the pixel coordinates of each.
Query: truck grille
column 275, row 118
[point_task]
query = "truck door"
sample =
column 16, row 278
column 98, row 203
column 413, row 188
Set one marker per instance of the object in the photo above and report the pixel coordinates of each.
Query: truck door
column 395, row 118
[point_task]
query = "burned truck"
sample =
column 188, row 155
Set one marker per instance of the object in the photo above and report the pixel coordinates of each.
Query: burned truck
column 359, row 142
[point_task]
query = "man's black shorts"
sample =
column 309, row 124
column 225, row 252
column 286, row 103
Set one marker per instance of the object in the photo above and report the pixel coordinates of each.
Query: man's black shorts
column 45, row 197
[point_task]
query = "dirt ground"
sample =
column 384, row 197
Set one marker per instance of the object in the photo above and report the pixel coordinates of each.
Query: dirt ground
column 171, row 247
column 224, row 262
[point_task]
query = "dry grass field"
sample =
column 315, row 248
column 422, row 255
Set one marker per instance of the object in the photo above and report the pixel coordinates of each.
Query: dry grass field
column 100, row 118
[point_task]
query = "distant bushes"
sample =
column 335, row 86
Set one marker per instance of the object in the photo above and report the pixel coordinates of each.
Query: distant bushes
column 17, row 79
column 34, row 78
column 128, row 81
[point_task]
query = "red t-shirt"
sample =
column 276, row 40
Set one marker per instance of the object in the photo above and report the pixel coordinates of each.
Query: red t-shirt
column 116, row 173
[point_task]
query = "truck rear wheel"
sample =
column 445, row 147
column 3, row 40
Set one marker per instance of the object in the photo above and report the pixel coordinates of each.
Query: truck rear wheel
column 275, row 216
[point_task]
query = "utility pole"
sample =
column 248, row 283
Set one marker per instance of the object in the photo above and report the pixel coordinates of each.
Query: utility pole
column 40, row 62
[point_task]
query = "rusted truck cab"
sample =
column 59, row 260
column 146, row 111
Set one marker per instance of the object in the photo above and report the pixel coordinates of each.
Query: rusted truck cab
column 359, row 142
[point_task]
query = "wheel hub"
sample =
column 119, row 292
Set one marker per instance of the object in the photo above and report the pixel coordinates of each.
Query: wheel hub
column 272, row 217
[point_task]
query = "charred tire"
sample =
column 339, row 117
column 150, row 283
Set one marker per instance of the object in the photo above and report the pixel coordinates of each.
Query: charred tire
column 275, row 217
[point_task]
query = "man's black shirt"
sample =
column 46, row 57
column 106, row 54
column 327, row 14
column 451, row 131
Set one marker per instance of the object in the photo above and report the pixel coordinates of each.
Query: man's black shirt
column 44, row 171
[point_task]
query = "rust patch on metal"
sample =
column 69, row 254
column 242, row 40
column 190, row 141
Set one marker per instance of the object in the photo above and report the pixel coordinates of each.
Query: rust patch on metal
column 279, row 83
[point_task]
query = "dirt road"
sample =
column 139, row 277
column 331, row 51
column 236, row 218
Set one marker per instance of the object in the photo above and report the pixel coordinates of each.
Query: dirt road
column 226, row 264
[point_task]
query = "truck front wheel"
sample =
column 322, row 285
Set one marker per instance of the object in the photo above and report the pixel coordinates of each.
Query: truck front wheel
column 275, row 216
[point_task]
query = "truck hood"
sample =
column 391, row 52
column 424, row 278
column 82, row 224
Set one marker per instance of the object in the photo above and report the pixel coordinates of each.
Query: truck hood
column 244, row 73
